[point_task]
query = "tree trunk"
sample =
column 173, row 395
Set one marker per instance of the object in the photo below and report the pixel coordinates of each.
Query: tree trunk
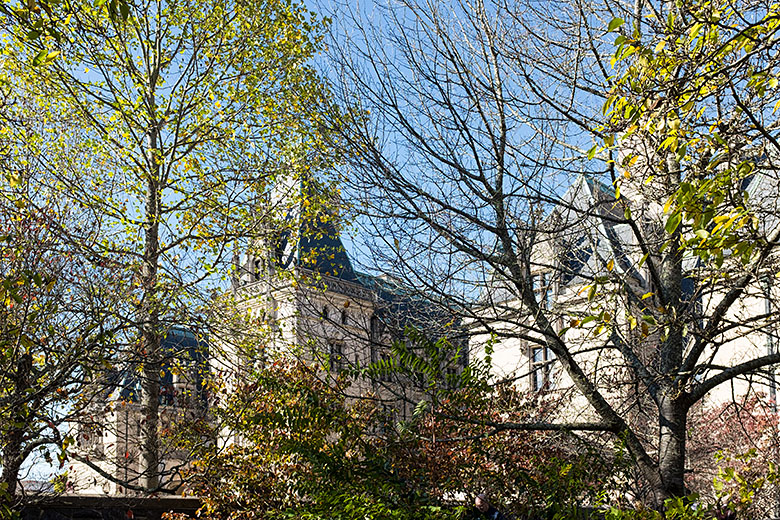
column 150, row 334
column 671, row 449
column 672, row 408
column 150, row 399
column 14, row 438
column 12, row 461
column 150, row 376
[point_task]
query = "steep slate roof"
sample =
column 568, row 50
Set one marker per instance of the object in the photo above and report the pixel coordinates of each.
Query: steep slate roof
column 588, row 232
column 319, row 248
column 584, row 233
column 594, row 222
column 398, row 306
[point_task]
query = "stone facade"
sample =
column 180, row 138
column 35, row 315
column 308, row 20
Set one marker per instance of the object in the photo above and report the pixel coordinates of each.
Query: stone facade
column 296, row 293
column 107, row 440
column 588, row 241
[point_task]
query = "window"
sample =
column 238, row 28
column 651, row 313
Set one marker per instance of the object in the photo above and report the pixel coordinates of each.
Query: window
column 167, row 392
column 336, row 353
column 542, row 359
column 90, row 440
column 386, row 368
column 542, row 287
column 376, row 328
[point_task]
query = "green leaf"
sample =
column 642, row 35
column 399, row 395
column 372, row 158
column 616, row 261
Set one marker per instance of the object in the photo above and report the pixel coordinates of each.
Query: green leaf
column 44, row 57
column 673, row 222
column 588, row 319
column 38, row 59
column 614, row 24
column 53, row 55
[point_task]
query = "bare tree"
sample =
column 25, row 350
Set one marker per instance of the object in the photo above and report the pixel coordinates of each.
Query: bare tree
column 537, row 166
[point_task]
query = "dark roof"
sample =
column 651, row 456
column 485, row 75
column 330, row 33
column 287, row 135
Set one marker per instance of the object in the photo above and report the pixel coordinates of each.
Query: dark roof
column 585, row 230
column 321, row 250
column 593, row 216
column 179, row 344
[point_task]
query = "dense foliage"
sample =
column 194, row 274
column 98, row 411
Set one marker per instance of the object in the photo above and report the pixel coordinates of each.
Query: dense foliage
column 290, row 444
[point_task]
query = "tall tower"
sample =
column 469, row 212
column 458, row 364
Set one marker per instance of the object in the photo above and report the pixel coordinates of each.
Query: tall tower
column 299, row 225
